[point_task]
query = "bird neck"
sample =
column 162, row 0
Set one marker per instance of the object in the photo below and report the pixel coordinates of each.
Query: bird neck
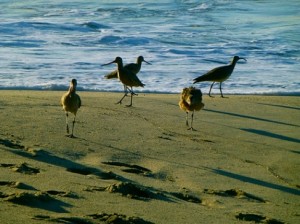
column 139, row 62
column 233, row 63
column 72, row 89
column 120, row 65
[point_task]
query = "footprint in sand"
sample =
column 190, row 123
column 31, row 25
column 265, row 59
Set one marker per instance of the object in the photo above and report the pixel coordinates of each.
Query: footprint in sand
column 21, row 168
column 11, row 144
column 130, row 190
column 38, row 200
column 62, row 194
column 136, row 191
column 93, row 171
column 236, row 193
column 25, row 168
column 63, row 219
column 130, row 168
column 186, row 195
column 257, row 218
column 118, row 218
column 95, row 218
column 136, row 169
column 18, row 185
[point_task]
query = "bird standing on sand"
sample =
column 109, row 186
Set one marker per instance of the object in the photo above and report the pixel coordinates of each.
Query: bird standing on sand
column 191, row 100
column 71, row 102
column 133, row 67
column 127, row 77
column 219, row 74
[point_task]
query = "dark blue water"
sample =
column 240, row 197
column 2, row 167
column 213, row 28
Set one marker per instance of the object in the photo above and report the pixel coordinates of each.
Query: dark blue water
column 43, row 44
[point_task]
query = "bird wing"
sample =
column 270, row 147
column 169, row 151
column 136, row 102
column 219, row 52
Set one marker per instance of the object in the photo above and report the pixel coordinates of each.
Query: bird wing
column 130, row 79
column 79, row 101
column 135, row 68
column 112, row 75
column 215, row 75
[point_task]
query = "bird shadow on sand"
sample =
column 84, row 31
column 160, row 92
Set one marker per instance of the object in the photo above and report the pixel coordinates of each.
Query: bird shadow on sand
column 39, row 200
column 271, row 135
column 295, row 151
column 255, row 181
column 47, row 157
column 250, row 117
column 281, row 106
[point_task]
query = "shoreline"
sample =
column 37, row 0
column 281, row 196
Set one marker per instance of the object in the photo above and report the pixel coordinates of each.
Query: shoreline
column 65, row 88
column 141, row 163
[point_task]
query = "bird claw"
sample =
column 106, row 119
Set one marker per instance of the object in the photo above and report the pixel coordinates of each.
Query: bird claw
column 192, row 129
column 70, row 136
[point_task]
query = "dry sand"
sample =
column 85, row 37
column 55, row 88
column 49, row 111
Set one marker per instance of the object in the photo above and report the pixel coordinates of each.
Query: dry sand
column 142, row 165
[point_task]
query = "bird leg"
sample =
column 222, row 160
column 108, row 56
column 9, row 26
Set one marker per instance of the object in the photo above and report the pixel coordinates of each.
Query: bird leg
column 210, row 88
column 125, row 89
column 131, row 95
column 221, row 90
column 191, row 128
column 131, row 91
column 72, row 136
column 120, row 101
column 67, row 115
column 125, row 94
column 187, row 119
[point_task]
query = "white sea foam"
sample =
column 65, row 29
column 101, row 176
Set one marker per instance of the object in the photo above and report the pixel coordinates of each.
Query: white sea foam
column 44, row 45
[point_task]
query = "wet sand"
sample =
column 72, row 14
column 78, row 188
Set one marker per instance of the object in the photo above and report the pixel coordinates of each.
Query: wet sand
column 140, row 164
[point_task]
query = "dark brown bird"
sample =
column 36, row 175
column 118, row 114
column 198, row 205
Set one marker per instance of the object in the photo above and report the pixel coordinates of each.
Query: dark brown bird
column 219, row 74
column 191, row 100
column 71, row 102
column 127, row 77
column 133, row 67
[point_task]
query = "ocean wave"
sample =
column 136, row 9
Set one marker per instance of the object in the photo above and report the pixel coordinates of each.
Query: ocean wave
column 123, row 41
column 159, row 91
column 22, row 43
column 95, row 25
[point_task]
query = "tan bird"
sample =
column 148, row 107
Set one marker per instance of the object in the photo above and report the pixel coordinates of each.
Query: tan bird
column 127, row 77
column 191, row 100
column 71, row 102
column 219, row 74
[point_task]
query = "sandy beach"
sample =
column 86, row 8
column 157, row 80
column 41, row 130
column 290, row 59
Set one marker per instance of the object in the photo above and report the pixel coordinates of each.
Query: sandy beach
column 140, row 164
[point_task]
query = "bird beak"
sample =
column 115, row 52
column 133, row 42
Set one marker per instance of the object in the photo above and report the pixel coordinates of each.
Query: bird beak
column 243, row 59
column 147, row 62
column 108, row 63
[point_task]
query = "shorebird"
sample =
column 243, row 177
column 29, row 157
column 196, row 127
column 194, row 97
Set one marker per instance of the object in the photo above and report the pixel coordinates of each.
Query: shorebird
column 71, row 102
column 219, row 74
column 191, row 100
column 127, row 77
column 133, row 67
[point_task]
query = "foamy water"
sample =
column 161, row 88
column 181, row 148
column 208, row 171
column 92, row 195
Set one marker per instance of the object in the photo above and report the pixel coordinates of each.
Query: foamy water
column 44, row 44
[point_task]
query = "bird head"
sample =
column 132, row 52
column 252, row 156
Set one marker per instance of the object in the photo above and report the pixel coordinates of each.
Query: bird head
column 141, row 58
column 236, row 58
column 117, row 60
column 74, row 82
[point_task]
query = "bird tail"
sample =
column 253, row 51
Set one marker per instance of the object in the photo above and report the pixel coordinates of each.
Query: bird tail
column 112, row 75
column 199, row 79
